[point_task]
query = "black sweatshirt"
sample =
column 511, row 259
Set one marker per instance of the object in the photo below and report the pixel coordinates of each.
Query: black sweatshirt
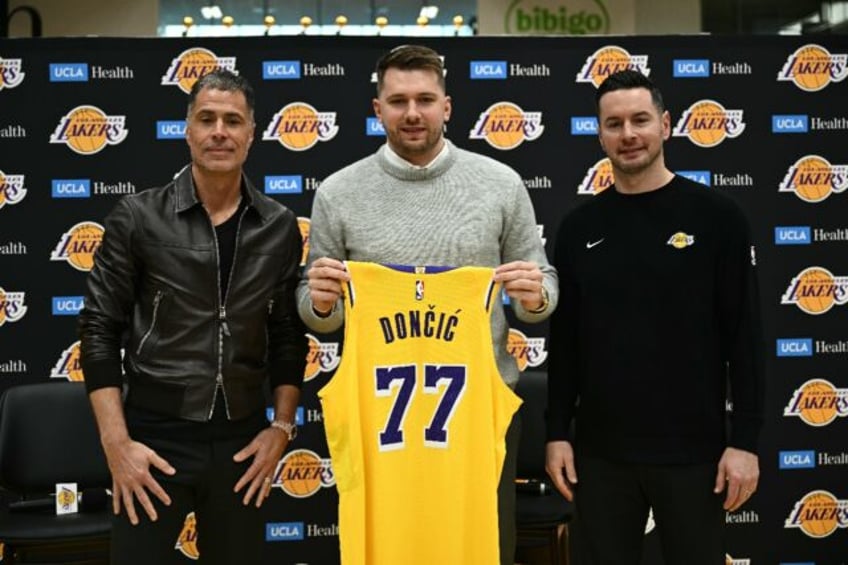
column 658, row 306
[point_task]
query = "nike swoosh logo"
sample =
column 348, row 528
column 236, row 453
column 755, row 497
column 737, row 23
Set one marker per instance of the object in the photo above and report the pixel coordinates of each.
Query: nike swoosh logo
column 591, row 244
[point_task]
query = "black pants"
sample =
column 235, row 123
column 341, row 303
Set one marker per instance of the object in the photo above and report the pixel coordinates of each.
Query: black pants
column 506, row 493
column 612, row 502
column 227, row 531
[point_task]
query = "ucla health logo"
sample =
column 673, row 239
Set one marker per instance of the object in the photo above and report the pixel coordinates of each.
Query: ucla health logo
column 284, row 184
column 584, row 125
column 10, row 73
column 320, row 357
column 88, row 129
column 598, row 178
column 790, row 123
column 192, row 64
column 505, row 126
column 815, row 290
column 817, row 402
column 68, row 366
column 707, row 123
column 68, row 72
column 792, row 235
column 797, row 459
column 12, row 189
column 813, row 178
column 280, row 70
column 811, row 67
column 691, row 68
column 171, row 129
column 701, row 177
column 374, row 127
column 795, row 347
column 299, row 126
column 608, row 60
column 488, row 70
column 70, row 188
column 284, row 531
column 78, row 244
column 12, row 307
column 67, row 305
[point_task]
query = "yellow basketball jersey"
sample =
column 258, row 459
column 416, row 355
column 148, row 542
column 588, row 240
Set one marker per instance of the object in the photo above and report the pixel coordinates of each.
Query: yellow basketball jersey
column 415, row 417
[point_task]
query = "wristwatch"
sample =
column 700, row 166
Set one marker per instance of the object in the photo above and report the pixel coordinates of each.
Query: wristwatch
column 289, row 427
column 545, row 302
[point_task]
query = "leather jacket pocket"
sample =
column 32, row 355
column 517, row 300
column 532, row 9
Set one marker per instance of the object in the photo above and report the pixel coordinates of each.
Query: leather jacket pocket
column 150, row 338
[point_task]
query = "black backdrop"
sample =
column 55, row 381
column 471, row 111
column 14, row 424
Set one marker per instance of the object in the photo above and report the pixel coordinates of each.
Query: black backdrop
column 765, row 120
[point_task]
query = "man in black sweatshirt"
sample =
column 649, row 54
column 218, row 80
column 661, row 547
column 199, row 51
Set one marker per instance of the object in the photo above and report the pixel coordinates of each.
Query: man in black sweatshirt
column 658, row 316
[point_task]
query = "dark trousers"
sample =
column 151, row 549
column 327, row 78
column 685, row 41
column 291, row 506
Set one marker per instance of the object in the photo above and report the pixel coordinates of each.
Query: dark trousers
column 612, row 501
column 506, row 494
column 227, row 531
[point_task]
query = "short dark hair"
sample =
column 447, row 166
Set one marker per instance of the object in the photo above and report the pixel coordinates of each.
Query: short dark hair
column 410, row 58
column 222, row 79
column 625, row 80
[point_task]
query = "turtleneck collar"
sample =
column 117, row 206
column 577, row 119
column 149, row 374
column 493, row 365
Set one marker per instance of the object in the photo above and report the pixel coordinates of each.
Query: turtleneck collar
column 399, row 167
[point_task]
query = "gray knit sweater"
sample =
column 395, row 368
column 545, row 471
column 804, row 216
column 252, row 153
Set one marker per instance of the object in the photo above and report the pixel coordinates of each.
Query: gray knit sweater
column 467, row 209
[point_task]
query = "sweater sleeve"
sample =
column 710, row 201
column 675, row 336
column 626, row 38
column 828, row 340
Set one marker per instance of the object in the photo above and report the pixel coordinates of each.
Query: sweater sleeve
column 325, row 240
column 521, row 242
column 741, row 331
column 564, row 347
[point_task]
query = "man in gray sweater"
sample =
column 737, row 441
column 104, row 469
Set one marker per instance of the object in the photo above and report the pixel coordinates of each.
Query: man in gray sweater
column 420, row 200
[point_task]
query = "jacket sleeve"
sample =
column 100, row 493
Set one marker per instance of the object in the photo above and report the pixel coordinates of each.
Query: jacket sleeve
column 110, row 292
column 521, row 242
column 563, row 356
column 741, row 331
column 287, row 346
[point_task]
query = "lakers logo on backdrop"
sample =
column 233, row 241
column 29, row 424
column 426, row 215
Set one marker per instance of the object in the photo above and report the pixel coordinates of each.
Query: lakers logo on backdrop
column 818, row 514
column 505, row 125
column 302, row 473
column 192, row 64
column 320, row 358
column 12, row 189
column 10, row 73
column 78, row 244
column 187, row 540
column 812, row 67
column 707, row 123
column 88, row 129
column 818, row 403
column 681, row 240
column 304, row 224
column 598, row 178
column 815, row 290
column 12, row 307
column 608, row 60
column 528, row 351
column 68, row 366
column 813, row 178
column 299, row 126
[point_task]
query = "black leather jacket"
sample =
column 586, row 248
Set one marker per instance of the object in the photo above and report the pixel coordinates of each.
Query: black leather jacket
column 154, row 290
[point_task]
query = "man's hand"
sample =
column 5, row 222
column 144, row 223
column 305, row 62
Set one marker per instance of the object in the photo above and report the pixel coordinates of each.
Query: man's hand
column 326, row 277
column 266, row 449
column 559, row 457
column 740, row 470
column 522, row 281
column 129, row 462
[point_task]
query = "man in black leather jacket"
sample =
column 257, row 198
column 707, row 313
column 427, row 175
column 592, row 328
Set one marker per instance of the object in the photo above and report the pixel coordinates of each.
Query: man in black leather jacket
column 195, row 281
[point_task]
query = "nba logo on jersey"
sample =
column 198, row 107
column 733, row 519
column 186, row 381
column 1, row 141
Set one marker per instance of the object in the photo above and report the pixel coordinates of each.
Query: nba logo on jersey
column 419, row 289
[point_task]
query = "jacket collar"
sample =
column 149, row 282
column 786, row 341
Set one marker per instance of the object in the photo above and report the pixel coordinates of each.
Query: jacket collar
column 186, row 196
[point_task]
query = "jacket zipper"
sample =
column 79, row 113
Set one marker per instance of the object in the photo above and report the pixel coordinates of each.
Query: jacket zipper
column 223, row 327
column 156, row 300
